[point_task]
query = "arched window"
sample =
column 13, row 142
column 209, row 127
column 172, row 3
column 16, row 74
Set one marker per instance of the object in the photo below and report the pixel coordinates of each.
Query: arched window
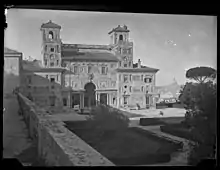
column 120, row 37
column 50, row 35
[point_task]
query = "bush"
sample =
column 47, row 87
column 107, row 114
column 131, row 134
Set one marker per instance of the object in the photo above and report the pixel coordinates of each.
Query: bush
column 105, row 118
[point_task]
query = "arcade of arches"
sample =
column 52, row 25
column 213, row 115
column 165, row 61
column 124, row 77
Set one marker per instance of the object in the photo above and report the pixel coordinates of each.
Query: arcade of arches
column 90, row 97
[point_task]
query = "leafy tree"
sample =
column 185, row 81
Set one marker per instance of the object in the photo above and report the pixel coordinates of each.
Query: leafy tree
column 200, row 74
column 200, row 104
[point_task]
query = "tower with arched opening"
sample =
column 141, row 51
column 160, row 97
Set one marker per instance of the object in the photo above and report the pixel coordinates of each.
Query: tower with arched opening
column 122, row 47
column 51, row 44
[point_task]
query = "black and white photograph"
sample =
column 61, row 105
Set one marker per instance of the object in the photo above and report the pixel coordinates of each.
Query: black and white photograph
column 95, row 88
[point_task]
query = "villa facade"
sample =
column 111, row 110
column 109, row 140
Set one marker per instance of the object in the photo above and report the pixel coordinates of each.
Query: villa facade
column 79, row 75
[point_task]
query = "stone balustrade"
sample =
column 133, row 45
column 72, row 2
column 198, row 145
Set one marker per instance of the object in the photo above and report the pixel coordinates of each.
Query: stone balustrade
column 57, row 146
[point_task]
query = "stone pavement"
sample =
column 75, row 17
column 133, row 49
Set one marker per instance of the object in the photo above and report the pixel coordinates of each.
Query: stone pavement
column 15, row 134
column 168, row 112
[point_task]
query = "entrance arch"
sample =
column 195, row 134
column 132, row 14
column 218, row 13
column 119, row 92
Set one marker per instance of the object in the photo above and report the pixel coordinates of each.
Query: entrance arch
column 89, row 95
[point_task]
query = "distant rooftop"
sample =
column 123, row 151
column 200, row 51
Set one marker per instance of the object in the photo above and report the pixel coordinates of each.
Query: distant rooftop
column 50, row 24
column 119, row 29
column 89, row 56
column 85, row 46
column 10, row 51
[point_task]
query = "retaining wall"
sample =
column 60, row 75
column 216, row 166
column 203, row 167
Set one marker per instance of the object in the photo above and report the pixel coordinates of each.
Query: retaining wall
column 56, row 144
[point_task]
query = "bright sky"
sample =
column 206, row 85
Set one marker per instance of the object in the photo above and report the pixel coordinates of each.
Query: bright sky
column 171, row 43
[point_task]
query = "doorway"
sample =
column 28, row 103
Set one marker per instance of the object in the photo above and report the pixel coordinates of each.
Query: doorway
column 89, row 95
column 75, row 100
column 103, row 98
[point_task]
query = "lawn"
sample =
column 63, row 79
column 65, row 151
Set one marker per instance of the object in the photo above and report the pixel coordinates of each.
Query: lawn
column 125, row 147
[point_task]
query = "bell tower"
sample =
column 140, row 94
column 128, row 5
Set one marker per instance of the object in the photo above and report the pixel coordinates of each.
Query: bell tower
column 51, row 45
column 122, row 47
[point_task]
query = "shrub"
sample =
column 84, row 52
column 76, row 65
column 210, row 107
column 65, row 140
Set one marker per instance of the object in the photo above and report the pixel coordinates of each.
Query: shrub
column 105, row 118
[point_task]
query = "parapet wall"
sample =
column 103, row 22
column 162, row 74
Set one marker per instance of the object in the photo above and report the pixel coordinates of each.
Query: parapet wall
column 56, row 144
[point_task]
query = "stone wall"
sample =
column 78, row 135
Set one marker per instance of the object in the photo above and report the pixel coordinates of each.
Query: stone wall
column 56, row 144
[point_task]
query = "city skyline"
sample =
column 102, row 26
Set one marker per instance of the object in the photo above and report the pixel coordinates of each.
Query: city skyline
column 171, row 43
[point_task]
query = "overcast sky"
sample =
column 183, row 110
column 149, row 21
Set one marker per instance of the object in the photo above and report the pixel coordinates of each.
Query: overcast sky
column 171, row 43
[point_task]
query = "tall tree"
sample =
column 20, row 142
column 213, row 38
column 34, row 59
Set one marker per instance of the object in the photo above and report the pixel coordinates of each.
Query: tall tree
column 200, row 104
column 201, row 74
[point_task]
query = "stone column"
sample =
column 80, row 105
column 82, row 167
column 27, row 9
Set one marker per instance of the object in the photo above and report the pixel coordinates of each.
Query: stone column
column 118, row 102
column 81, row 100
column 69, row 100
column 144, row 100
column 108, row 101
column 98, row 96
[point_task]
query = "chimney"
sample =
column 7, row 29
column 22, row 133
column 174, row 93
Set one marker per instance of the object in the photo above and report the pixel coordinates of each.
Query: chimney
column 139, row 63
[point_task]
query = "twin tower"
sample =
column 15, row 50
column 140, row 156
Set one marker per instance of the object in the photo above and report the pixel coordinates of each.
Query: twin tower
column 52, row 45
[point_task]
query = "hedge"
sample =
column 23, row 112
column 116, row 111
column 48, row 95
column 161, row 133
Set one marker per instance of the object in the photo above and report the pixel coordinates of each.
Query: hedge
column 150, row 121
column 180, row 131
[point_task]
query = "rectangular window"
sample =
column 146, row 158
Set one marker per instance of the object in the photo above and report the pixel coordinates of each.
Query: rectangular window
column 64, row 102
column 129, row 63
column 52, row 64
column 57, row 62
column 130, row 77
column 119, row 63
column 125, row 100
column 89, row 69
column 52, row 49
column 104, row 70
column 52, row 80
column 130, row 88
column 125, row 78
column 147, row 80
column 76, row 69
column 125, row 64
column 57, row 77
column 45, row 62
column 147, row 89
